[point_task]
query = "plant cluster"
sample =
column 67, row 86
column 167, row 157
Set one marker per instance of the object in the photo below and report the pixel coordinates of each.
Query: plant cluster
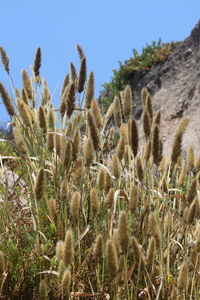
column 94, row 213
column 152, row 54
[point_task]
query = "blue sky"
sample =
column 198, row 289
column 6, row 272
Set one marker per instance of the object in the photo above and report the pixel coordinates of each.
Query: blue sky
column 107, row 30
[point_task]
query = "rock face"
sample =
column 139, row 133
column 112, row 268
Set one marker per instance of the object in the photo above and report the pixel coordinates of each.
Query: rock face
column 175, row 89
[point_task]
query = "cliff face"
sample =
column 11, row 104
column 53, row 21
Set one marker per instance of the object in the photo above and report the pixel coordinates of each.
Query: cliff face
column 175, row 89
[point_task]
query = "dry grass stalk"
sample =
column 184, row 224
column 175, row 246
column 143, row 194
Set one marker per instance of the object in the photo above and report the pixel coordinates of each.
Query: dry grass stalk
column 2, row 264
column 127, row 102
column 117, row 112
column 66, row 282
column 27, row 84
column 75, row 207
column 96, row 113
column 88, row 151
column 6, row 100
column 89, row 93
column 68, row 248
column 82, row 76
column 116, row 167
column 112, row 258
column 39, row 184
column 146, row 124
column 70, row 99
column 98, row 247
column 94, row 134
column 134, row 137
column 177, row 145
column 134, row 195
column 43, row 290
column 123, row 231
column 5, row 59
column 94, row 202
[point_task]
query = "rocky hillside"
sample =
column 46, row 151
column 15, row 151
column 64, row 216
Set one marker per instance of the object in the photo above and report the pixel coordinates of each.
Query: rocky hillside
column 175, row 89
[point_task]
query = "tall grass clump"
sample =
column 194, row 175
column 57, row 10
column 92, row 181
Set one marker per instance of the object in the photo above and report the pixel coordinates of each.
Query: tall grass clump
column 91, row 208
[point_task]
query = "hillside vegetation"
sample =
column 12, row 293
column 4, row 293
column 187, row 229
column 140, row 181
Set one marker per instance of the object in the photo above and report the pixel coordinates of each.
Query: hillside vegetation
column 94, row 211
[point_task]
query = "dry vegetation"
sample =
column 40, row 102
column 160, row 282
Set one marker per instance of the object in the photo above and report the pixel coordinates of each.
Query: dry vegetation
column 96, row 211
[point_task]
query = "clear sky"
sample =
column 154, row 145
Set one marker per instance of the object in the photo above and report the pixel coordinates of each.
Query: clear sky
column 107, row 30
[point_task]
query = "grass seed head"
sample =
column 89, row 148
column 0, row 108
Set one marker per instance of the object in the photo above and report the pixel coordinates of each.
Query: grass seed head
column 88, row 152
column 139, row 167
column 82, row 75
column 117, row 112
column 5, row 60
column 133, row 201
column 68, row 256
column 177, row 145
column 94, row 202
column 139, row 257
column 146, row 124
column 66, row 282
column 110, row 197
column 155, row 230
column 182, row 276
column 96, row 113
column 98, row 247
column 116, row 166
column 75, row 207
column 121, row 148
column 89, row 93
column 6, row 100
column 112, row 258
column 73, row 74
column 70, row 99
column 127, row 102
column 39, row 184
column 75, row 143
column 93, row 130
column 101, row 179
column 134, row 137
column 123, row 231
column 27, row 84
